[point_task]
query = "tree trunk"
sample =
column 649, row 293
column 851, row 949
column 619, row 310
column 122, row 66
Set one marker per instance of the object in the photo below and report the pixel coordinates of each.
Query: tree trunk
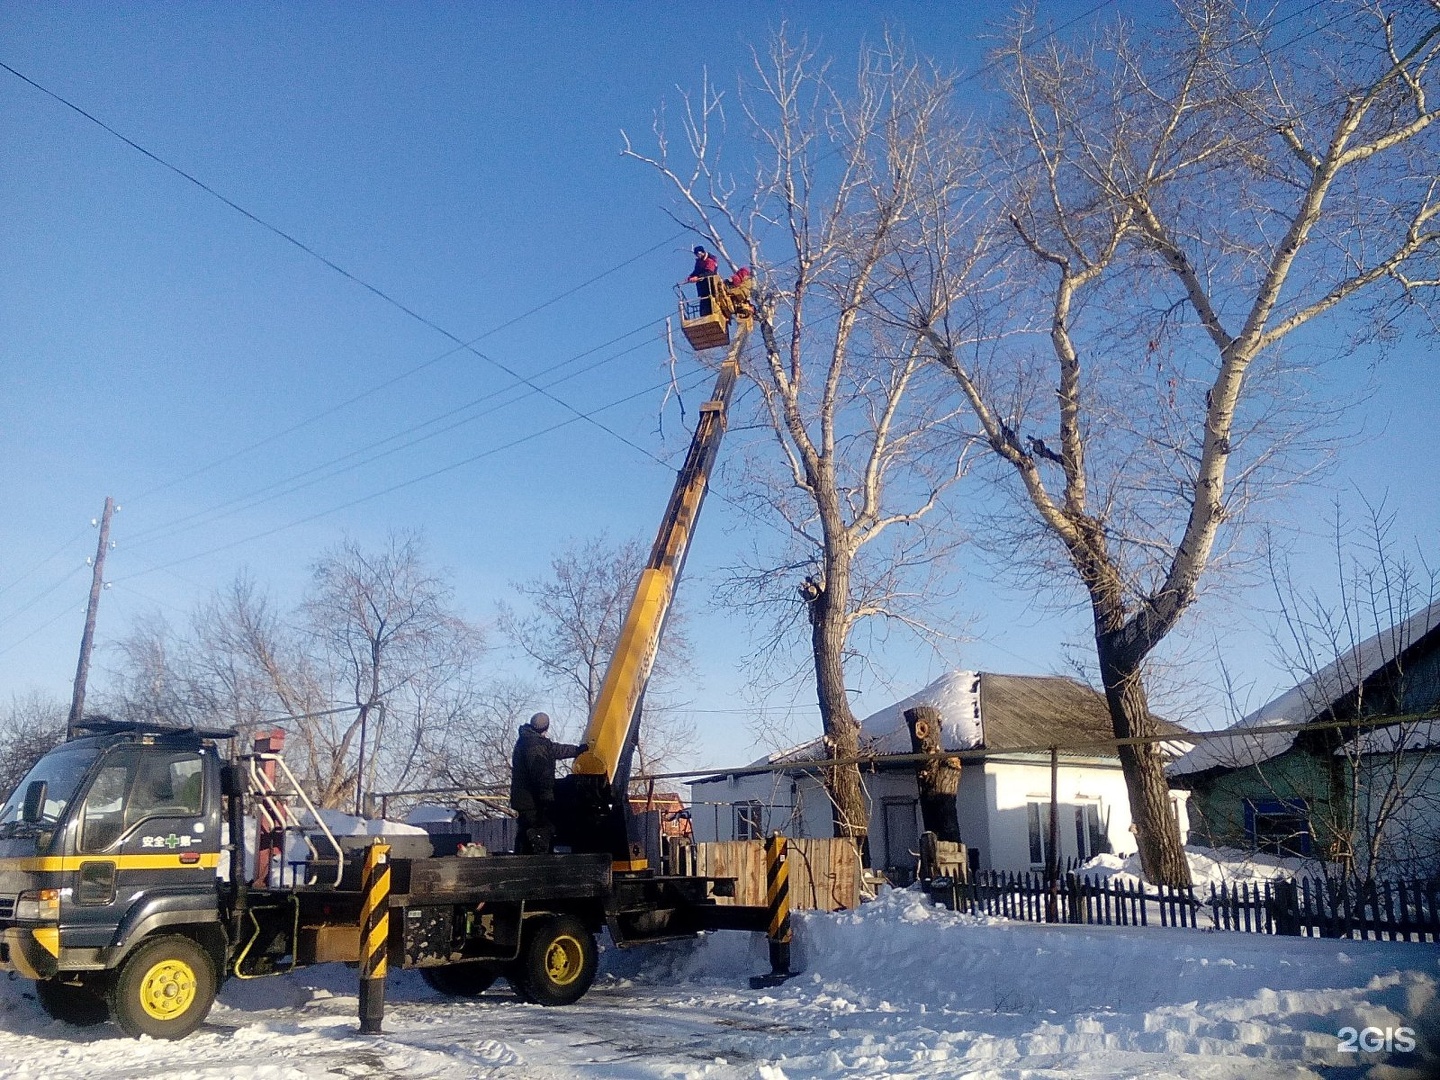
column 842, row 731
column 1157, row 830
column 938, row 779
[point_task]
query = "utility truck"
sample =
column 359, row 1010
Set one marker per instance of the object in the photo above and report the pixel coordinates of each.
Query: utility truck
column 127, row 891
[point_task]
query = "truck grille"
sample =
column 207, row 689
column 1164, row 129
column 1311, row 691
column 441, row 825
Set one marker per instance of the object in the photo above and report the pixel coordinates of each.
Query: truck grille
column 7, row 907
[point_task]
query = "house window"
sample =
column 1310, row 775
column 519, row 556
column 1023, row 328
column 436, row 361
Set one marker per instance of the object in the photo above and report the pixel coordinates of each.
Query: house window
column 749, row 820
column 1090, row 837
column 1039, row 832
column 1278, row 826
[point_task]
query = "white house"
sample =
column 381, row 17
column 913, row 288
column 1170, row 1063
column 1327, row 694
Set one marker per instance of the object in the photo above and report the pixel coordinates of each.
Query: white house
column 1004, row 798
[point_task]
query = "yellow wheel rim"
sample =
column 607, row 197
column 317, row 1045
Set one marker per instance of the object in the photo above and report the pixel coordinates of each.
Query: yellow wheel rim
column 564, row 957
column 167, row 989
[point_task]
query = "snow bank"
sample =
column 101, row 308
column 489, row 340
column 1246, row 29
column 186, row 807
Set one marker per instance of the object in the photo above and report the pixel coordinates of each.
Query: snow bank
column 1085, row 1001
column 1210, row 866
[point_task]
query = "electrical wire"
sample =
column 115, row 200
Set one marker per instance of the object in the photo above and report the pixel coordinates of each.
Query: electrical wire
column 331, row 411
column 43, row 627
column 356, row 458
column 431, row 474
column 460, row 345
column 46, row 560
column 8, row 619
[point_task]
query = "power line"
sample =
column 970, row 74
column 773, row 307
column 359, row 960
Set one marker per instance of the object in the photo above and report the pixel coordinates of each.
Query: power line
column 375, row 290
column 410, row 482
column 981, row 753
column 356, row 458
column 415, row 371
column 41, row 596
column 47, row 559
column 41, row 628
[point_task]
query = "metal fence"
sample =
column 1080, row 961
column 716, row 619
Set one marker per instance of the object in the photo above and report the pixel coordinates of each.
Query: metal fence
column 1309, row 907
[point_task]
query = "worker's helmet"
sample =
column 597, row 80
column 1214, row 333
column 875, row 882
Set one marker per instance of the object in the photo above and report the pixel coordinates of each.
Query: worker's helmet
column 698, row 249
column 540, row 722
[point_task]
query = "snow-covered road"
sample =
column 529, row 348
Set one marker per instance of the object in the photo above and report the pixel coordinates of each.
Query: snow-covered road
column 896, row 990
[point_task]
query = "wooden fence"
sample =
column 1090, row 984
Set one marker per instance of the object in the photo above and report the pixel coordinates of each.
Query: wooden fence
column 1311, row 907
column 824, row 874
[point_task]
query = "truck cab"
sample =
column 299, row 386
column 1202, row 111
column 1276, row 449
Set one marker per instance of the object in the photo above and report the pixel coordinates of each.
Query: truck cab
column 109, row 845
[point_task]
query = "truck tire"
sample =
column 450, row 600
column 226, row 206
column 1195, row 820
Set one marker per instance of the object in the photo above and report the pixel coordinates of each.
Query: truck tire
column 556, row 963
column 83, row 1006
column 460, row 980
column 164, row 989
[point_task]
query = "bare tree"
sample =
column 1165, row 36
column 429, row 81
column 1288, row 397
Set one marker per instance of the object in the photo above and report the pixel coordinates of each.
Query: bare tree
column 862, row 440
column 376, row 632
column 237, row 663
column 569, row 632
column 1178, row 206
column 470, row 747
column 380, row 624
column 1350, row 649
column 30, row 727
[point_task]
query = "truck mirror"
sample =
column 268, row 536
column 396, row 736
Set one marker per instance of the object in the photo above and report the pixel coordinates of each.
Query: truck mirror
column 34, row 808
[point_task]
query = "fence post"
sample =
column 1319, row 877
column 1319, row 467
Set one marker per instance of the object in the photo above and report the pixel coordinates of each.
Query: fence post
column 1287, row 908
column 374, row 936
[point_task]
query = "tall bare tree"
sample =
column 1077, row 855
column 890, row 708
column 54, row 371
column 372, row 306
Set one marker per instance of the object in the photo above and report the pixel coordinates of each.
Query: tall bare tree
column 381, row 624
column 1176, row 207
column 376, row 631
column 569, row 632
column 862, row 441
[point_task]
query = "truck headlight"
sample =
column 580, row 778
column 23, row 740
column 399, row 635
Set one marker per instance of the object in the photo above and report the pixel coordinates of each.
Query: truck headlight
column 40, row 906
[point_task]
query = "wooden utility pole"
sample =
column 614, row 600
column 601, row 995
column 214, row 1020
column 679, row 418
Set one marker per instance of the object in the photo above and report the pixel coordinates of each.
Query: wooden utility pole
column 87, row 639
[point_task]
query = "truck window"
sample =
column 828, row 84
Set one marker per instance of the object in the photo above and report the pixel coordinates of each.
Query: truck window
column 62, row 770
column 168, row 786
column 104, row 817
column 159, row 785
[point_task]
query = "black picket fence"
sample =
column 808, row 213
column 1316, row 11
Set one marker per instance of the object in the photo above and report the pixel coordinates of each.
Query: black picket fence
column 1311, row 907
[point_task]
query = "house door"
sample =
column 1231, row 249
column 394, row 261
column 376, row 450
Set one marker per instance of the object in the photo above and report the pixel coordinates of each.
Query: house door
column 902, row 834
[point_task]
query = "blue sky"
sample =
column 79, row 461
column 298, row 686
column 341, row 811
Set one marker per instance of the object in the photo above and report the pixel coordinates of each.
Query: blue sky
column 464, row 159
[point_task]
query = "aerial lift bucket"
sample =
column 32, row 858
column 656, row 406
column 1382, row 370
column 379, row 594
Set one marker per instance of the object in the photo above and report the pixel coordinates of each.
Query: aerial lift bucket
column 703, row 321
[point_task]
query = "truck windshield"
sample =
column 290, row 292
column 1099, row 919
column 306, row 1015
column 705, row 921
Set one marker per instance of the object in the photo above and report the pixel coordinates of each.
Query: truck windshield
column 62, row 770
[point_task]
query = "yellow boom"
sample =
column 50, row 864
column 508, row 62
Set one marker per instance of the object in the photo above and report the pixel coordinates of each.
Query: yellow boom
column 618, row 706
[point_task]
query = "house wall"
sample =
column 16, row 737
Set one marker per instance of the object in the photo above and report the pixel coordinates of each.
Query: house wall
column 992, row 805
column 1218, row 803
column 1398, row 825
column 1012, row 784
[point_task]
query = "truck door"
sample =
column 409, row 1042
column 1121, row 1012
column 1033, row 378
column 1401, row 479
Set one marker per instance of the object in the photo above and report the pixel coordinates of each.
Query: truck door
column 146, row 839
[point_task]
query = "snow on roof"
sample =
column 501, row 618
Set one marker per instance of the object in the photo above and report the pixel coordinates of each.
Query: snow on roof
column 956, row 694
column 980, row 709
column 1407, row 735
column 1306, row 700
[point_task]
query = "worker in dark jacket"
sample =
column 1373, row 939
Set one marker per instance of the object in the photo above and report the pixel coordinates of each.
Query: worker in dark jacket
column 705, row 268
column 532, row 784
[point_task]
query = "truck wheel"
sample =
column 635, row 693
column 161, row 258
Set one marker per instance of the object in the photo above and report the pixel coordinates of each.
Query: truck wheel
column 557, row 962
column 82, row 1006
column 460, row 980
column 164, row 990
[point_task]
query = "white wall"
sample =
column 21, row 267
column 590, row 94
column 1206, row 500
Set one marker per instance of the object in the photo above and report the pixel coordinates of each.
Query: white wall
column 1012, row 784
column 992, row 803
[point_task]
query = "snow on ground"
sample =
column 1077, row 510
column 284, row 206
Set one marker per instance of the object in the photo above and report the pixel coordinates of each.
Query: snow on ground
column 1211, row 866
column 898, row 989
